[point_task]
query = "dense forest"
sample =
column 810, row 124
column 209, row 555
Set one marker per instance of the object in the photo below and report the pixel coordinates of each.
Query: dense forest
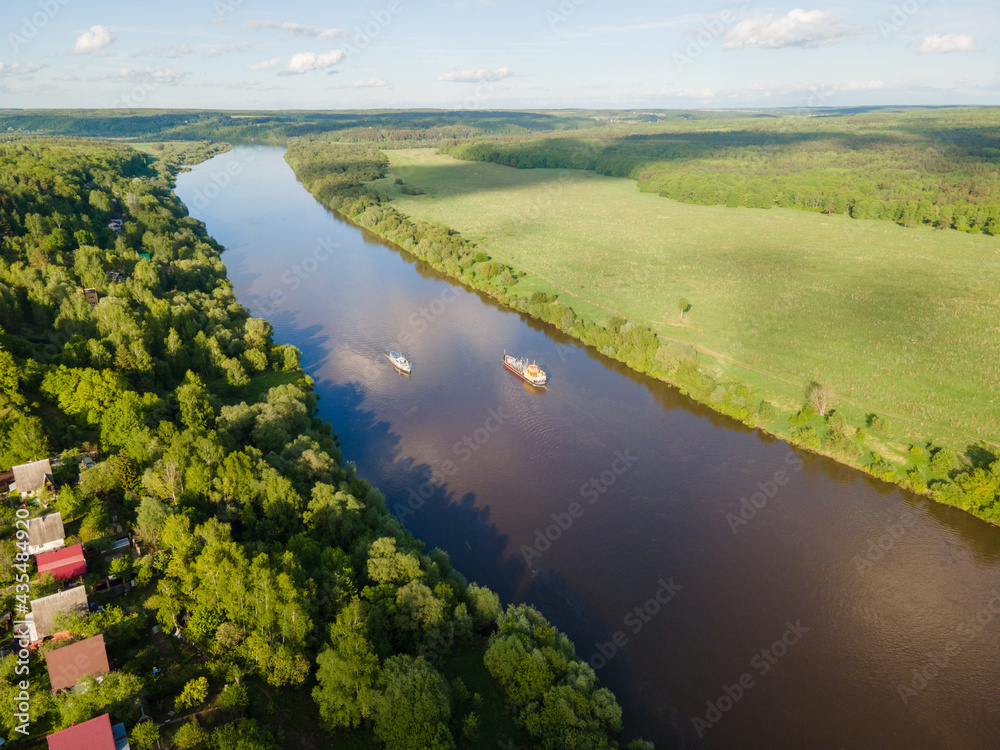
column 925, row 168
column 340, row 176
column 277, row 127
column 278, row 603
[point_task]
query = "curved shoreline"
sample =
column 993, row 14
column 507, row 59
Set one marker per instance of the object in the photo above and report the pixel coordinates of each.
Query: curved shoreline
column 880, row 469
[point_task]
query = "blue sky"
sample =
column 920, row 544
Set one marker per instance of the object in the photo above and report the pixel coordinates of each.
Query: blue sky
column 496, row 53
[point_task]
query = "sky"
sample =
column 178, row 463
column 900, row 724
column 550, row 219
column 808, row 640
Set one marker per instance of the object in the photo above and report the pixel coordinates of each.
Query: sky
column 493, row 54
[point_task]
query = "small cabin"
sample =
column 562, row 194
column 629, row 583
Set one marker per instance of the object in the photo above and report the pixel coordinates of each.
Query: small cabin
column 45, row 534
column 29, row 478
column 40, row 620
column 70, row 664
column 91, row 296
column 64, row 564
column 96, row 734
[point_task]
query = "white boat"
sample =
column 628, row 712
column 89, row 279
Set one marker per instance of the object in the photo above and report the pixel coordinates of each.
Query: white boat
column 400, row 362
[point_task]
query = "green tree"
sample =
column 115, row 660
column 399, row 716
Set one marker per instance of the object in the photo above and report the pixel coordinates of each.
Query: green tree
column 246, row 735
column 151, row 517
column 414, row 708
column 144, row 736
column 347, row 672
column 70, row 503
column 485, row 606
column 194, row 694
column 191, row 736
column 683, row 305
column 9, row 374
column 196, row 408
column 117, row 693
column 26, row 441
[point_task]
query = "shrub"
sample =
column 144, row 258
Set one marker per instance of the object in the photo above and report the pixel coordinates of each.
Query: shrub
column 766, row 411
column 878, row 425
column 807, row 436
column 803, row 418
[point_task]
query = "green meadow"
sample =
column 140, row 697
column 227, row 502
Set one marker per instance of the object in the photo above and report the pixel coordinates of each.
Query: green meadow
column 900, row 321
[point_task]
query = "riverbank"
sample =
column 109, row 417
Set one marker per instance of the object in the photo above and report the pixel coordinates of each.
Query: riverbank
column 946, row 465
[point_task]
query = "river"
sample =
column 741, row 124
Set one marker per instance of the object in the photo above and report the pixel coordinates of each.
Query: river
column 733, row 592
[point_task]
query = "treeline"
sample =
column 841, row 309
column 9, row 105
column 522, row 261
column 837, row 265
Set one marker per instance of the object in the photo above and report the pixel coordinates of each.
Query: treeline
column 277, row 127
column 278, row 567
column 970, row 481
column 914, row 169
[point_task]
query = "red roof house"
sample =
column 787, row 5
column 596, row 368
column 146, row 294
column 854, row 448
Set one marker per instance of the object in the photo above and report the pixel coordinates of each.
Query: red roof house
column 70, row 664
column 64, row 564
column 95, row 734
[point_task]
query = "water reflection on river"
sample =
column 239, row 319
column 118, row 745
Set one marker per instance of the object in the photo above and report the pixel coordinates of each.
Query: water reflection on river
column 589, row 497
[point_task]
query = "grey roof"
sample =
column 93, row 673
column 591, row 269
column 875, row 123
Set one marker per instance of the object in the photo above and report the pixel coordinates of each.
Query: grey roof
column 30, row 477
column 44, row 610
column 46, row 529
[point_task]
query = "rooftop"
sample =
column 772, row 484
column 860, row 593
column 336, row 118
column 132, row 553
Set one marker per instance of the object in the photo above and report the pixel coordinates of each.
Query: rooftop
column 45, row 609
column 70, row 664
column 95, row 734
column 30, row 477
column 45, row 529
column 64, row 564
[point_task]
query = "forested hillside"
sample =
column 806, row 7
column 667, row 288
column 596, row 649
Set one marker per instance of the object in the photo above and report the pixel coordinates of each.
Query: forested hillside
column 938, row 168
column 277, row 602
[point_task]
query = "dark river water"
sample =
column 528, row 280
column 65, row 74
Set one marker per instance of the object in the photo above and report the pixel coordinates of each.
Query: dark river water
column 732, row 592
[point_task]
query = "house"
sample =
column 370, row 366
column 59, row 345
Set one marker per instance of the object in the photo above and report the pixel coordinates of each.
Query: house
column 30, row 478
column 91, row 296
column 96, row 734
column 40, row 620
column 45, row 534
column 70, row 664
column 65, row 564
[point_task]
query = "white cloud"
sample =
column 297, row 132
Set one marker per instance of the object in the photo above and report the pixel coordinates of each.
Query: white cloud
column 947, row 43
column 20, row 69
column 477, row 76
column 93, row 39
column 216, row 51
column 265, row 64
column 306, row 61
column 374, row 83
column 800, row 28
column 297, row 29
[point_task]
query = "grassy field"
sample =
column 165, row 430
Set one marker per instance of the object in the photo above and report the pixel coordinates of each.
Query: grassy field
column 905, row 322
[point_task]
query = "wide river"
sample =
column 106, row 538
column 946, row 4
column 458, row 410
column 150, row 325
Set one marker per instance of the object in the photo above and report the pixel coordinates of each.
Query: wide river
column 734, row 593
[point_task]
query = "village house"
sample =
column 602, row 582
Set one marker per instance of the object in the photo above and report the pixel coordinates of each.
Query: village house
column 92, row 296
column 96, row 734
column 65, row 564
column 29, row 478
column 41, row 619
column 45, row 534
column 70, row 664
